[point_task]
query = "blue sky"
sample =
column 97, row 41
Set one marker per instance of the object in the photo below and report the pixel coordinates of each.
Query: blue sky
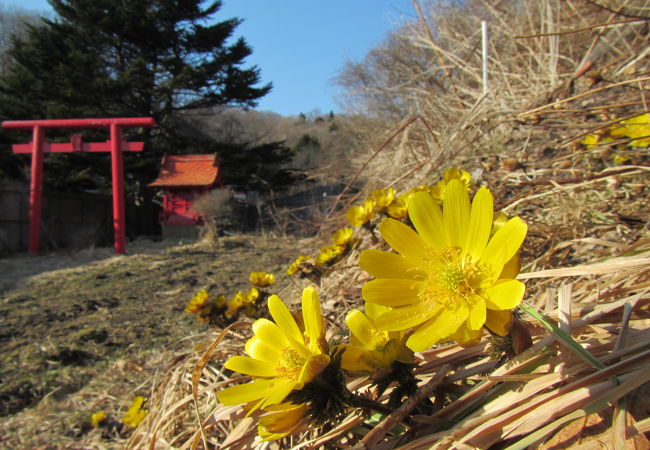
column 301, row 45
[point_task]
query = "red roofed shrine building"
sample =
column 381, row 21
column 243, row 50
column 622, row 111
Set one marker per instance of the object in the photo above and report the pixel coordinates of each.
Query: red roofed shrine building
column 183, row 179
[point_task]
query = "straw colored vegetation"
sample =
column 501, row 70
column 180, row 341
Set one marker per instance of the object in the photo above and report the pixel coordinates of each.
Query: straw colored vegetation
column 559, row 188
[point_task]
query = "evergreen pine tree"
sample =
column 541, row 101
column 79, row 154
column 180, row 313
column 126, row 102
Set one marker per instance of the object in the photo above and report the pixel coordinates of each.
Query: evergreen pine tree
column 114, row 58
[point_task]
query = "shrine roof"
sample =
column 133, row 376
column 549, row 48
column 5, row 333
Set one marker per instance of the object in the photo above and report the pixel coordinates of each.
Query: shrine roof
column 187, row 171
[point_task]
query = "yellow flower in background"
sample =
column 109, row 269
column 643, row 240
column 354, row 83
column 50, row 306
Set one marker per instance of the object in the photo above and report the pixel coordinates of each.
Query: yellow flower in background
column 282, row 356
column 328, row 253
column 252, row 295
column 293, row 268
column 280, row 420
column 383, row 197
column 457, row 174
column 261, row 279
column 235, row 304
column 399, row 208
column 370, row 348
column 199, row 301
column 438, row 190
column 618, row 158
column 360, row 214
column 636, row 128
column 447, row 279
column 97, row 418
column 221, row 302
column 136, row 413
column 342, row 236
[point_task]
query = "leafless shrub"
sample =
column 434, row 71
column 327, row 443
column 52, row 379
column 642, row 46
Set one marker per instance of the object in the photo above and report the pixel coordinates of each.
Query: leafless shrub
column 431, row 67
column 213, row 207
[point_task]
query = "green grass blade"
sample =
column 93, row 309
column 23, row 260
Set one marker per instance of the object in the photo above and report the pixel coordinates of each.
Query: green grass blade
column 564, row 338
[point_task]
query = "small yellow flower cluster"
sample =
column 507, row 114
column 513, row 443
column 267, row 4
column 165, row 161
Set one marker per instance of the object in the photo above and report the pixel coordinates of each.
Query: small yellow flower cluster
column 221, row 311
column 97, row 418
column 387, row 201
column 136, row 413
column 343, row 241
column 636, row 130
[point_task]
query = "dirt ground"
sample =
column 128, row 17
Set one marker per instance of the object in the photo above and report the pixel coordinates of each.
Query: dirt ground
column 87, row 331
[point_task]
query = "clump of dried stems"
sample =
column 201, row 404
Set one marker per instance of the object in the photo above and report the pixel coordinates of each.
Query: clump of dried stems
column 558, row 71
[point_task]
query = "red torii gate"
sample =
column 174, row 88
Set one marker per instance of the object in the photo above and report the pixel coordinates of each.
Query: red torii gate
column 115, row 145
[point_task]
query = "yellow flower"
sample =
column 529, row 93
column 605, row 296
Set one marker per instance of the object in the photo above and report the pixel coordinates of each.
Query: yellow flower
column 370, row 348
column 293, row 268
column 637, row 128
column 97, row 418
column 235, row 304
column 619, row 158
column 252, row 295
column 360, row 214
column 261, row 279
column 135, row 413
column 342, row 236
column 447, row 279
column 457, row 174
column 383, row 197
column 199, row 301
column 221, row 302
column 282, row 357
column 398, row 209
column 280, row 420
column 437, row 191
column 328, row 253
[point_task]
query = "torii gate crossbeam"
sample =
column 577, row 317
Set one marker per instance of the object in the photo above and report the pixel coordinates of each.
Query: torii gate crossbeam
column 114, row 145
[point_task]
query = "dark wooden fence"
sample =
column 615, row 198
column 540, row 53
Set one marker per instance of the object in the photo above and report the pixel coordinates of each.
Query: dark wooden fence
column 76, row 220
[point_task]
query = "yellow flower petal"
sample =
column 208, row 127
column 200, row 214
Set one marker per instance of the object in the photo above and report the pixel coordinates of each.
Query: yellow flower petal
column 404, row 240
column 314, row 366
column 499, row 322
column 262, row 350
column 382, row 264
column 280, row 420
column 512, row 267
column 504, row 294
column 244, row 393
column 352, row 359
column 456, row 213
column 504, row 244
column 283, row 318
column 280, row 389
column 466, row 337
column 390, row 292
column 360, row 326
column 476, row 317
column 250, row 366
column 480, row 224
column 440, row 327
column 373, row 310
column 269, row 332
column 407, row 316
column 313, row 320
column 427, row 218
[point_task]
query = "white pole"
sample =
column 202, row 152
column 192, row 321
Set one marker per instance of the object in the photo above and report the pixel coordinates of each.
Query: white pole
column 484, row 46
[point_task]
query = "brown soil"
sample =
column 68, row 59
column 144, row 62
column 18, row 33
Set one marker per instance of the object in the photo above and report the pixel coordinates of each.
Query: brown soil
column 87, row 331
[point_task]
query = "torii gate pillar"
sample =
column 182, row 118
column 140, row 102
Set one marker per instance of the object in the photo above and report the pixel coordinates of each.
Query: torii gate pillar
column 114, row 145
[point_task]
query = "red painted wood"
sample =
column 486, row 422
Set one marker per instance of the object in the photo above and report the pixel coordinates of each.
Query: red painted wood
column 67, row 147
column 125, row 122
column 36, row 190
column 115, row 145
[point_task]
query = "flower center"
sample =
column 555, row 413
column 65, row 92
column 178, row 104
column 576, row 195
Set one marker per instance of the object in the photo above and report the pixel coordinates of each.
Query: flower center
column 450, row 277
column 291, row 363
